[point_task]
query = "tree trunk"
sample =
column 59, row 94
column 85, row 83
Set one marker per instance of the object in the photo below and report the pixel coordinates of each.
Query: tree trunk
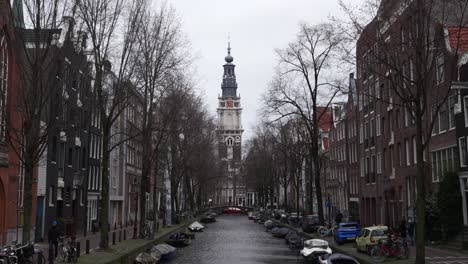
column 318, row 187
column 421, row 193
column 28, row 199
column 104, row 213
column 146, row 167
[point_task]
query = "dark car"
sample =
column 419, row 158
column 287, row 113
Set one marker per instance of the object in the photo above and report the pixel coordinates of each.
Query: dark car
column 347, row 232
column 310, row 224
column 337, row 258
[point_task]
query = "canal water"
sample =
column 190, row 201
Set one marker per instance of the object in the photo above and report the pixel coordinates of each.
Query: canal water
column 235, row 240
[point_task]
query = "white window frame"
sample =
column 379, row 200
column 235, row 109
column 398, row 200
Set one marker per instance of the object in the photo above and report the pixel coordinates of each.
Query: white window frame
column 51, row 196
column 462, row 150
column 451, row 114
column 379, row 163
column 378, row 121
column 361, row 133
column 465, row 109
column 406, row 117
column 440, row 74
column 407, row 147
column 415, row 156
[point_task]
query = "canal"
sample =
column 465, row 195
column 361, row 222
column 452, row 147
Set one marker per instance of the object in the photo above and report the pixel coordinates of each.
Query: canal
column 233, row 240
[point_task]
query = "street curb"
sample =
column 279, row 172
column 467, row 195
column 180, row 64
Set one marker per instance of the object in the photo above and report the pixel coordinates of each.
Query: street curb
column 334, row 248
column 129, row 257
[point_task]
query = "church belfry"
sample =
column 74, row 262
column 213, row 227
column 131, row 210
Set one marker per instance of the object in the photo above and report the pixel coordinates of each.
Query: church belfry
column 229, row 131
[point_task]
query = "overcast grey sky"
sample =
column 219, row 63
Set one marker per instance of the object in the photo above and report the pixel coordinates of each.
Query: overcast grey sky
column 257, row 28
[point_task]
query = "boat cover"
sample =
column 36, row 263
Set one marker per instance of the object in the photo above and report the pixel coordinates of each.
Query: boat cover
column 163, row 248
column 196, row 225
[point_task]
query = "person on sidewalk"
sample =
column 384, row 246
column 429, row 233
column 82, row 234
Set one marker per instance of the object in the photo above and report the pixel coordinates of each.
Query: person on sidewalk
column 53, row 236
column 411, row 231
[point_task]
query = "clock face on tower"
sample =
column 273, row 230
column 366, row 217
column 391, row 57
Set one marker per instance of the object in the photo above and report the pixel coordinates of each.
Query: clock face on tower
column 229, row 103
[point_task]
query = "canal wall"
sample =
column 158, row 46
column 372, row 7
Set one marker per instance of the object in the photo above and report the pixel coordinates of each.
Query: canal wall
column 363, row 259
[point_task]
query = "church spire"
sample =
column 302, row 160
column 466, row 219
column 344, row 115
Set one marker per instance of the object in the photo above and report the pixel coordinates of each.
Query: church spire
column 18, row 13
column 229, row 58
column 229, row 84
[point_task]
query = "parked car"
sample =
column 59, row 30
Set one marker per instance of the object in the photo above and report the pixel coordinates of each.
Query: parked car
column 310, row 224
column 347, row 232
column 337, row 258
column 370, row 236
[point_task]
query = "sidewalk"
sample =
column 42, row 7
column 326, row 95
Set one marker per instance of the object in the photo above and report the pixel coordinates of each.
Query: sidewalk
column 122, row 252
column 434, row 254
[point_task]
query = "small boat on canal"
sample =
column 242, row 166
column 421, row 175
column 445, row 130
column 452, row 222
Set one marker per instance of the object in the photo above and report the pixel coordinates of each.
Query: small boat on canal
column 208, row 219
column 167, row 252
column 315, row 248
column 178, row 240
column 280, row 232
column 196, row 227
column 148, row 258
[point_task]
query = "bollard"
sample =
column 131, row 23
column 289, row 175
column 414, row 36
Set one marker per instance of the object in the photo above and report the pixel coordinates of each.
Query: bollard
column 113, row 238
column 87, row 246
column 120, row 235
column 125, row 234
column 78, row 249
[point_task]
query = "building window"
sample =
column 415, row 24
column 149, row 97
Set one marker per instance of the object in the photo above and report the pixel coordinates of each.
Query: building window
column 379, row 163
column 435, row 120
column 362, row 167
column 443, row 161
column 440, row 69
column 70, row 156
column 415, row 156
column 452, row 100
column 361, row 133
column 443, row 116
column 408, row 156
column 462, row 150
column 51, row 195
column 407, row 117
column 54, row 149
column 3, row 84
column 400, row 155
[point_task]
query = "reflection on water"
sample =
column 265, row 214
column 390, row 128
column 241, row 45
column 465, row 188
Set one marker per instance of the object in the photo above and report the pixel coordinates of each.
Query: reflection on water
column 235, row 239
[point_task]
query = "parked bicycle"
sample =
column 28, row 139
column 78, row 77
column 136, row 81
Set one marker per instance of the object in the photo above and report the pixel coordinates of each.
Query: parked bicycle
column 67, row 250
column 324, row 231
column 147, row 232
column 390, row 247
column 25, row 254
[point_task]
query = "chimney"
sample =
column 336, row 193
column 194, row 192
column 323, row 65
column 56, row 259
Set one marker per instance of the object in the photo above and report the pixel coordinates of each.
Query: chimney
column 67, row 29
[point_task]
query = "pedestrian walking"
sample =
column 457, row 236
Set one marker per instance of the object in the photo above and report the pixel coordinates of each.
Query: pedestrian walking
column 411, row 231
column 53, row 236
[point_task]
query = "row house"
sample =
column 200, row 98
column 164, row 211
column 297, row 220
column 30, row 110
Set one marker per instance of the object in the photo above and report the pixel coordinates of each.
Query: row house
column 325, row 124
column 342, row 183
column 63, row 170
column 132, row 119
column 460, row 87
column 387, row 156
column 336, row 192
column 11, row 177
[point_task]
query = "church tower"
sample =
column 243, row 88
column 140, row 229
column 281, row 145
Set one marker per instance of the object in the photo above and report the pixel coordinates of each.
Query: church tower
column 229, row 132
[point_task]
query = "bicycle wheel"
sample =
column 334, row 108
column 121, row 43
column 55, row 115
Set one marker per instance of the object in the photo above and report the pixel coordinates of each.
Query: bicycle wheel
column 63, row 253
column 323, row 231
column 377, row 254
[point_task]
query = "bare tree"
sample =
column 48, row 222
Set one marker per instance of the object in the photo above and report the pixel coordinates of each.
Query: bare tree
column 101, row 20
column 159, row 56
column 308, row 58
